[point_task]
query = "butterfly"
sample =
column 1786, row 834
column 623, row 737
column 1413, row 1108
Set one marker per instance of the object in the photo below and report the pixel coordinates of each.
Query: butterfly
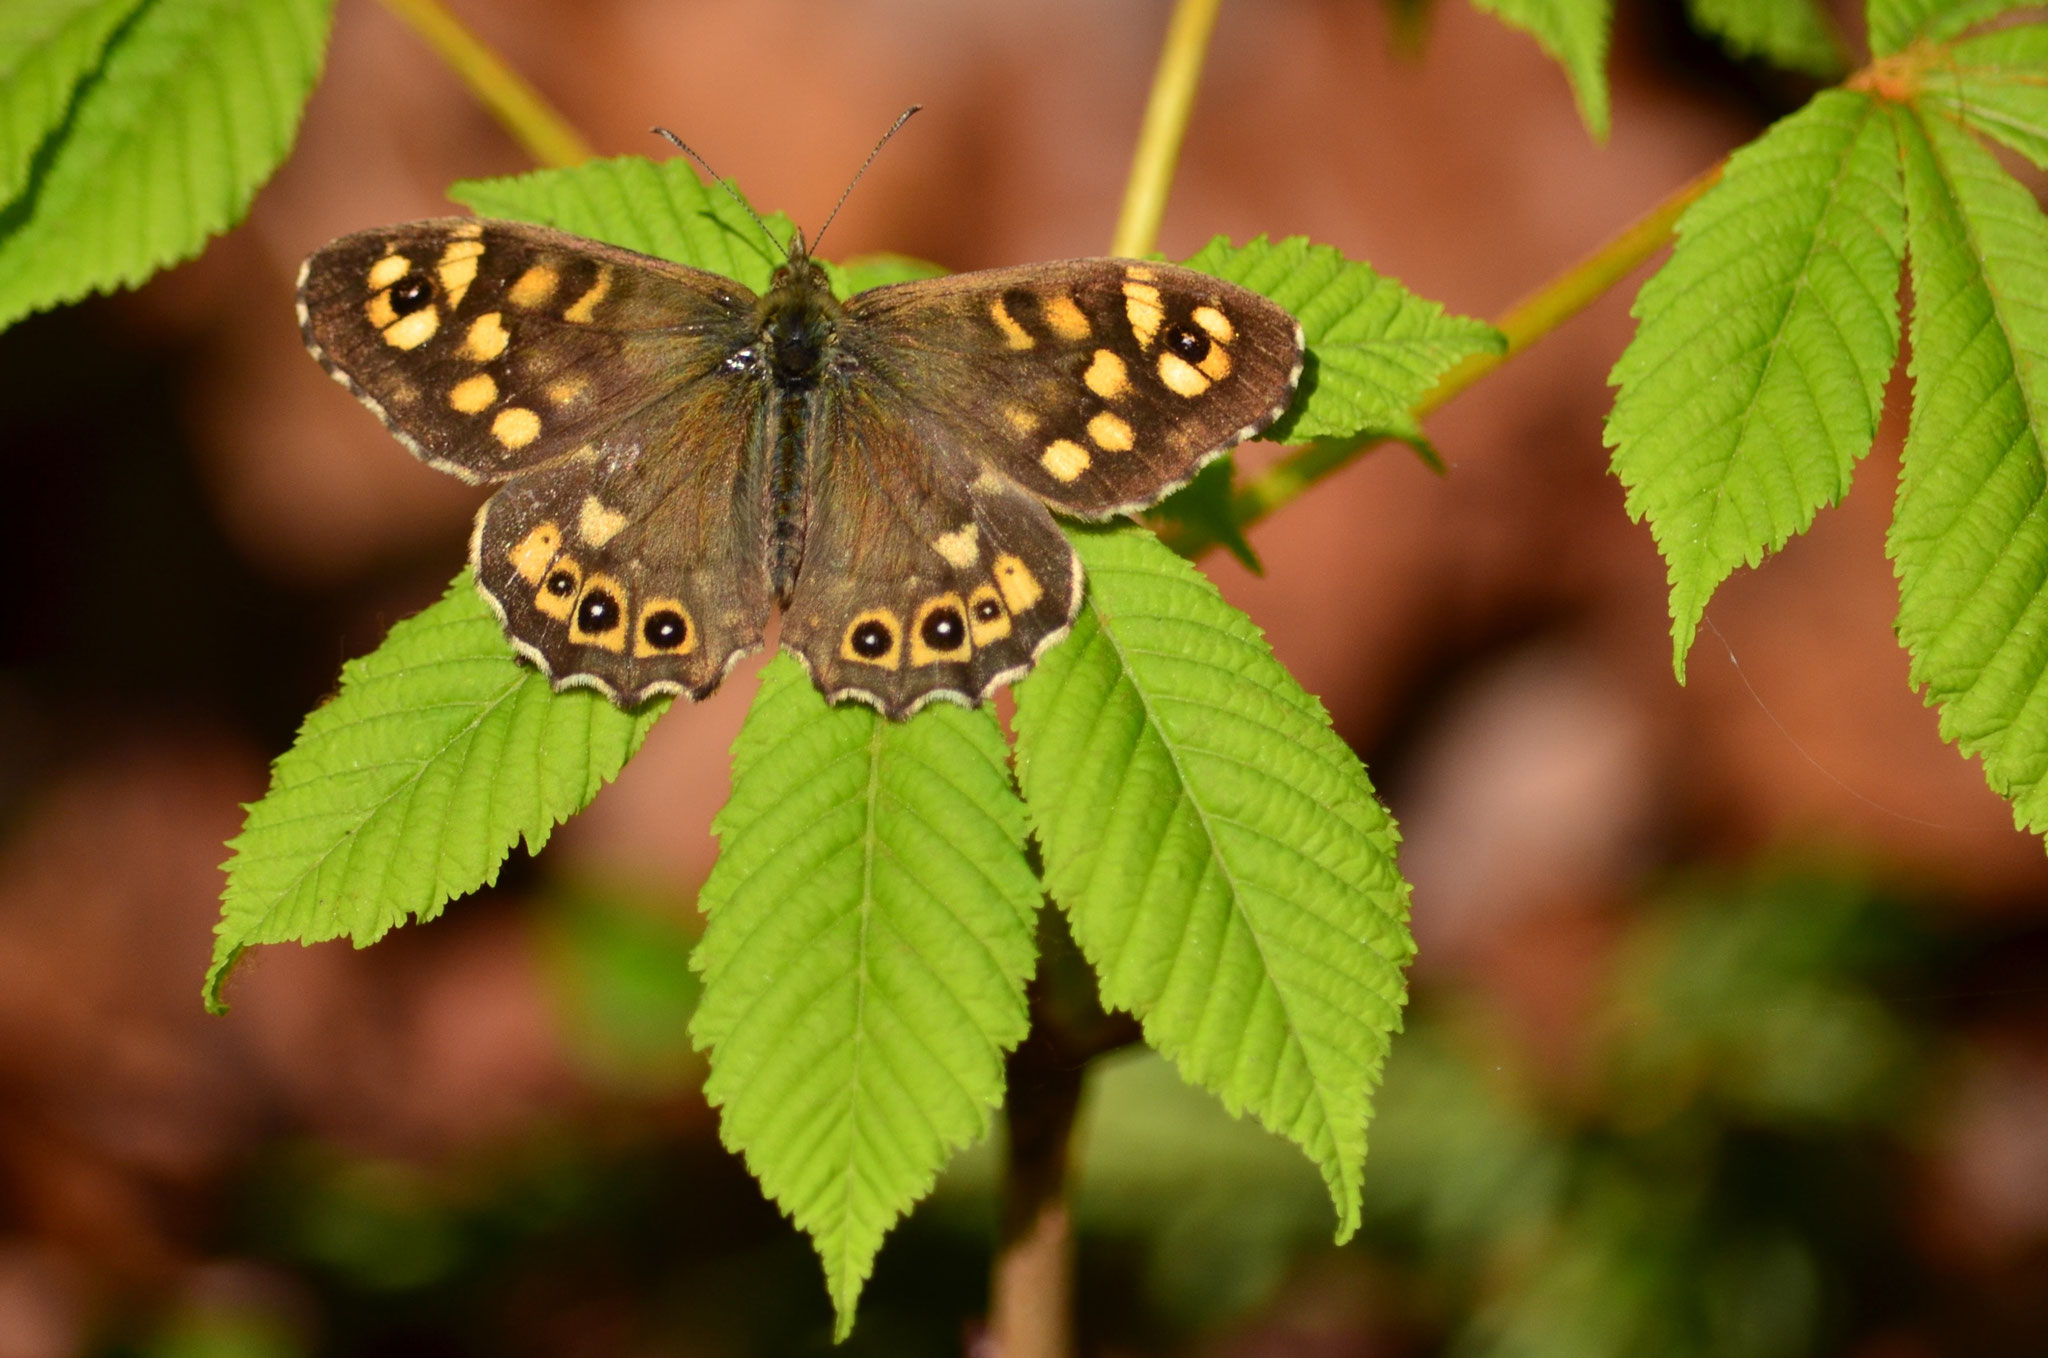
column 676, row 457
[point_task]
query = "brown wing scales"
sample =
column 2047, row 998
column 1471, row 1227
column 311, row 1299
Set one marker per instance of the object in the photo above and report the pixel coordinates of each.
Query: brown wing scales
column 622, row 402
column 925, row 576
column 1123, row 377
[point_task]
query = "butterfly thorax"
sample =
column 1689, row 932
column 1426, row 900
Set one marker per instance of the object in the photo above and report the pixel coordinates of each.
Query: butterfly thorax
column 799, row 318
column 798, row 323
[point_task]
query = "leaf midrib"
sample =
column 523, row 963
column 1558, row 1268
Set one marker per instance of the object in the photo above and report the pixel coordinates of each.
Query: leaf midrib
column 1183, row 792
column 1701, row 545
column 843, row 1280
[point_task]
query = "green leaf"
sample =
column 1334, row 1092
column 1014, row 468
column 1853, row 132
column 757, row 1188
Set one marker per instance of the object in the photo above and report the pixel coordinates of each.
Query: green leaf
column 1794, row 34
column 194, row 104
column 409, row 788
column 870, row 934
column 1997, row 84
column 877, row 270
column 662, row 208
column 1204, row 504
column 1757, row 375
column 1574, row 33
column 1896, row 23
column 1219, row 851
column 47, row 47
column 1970, row 537
column 1375, row 348
column 656, row 207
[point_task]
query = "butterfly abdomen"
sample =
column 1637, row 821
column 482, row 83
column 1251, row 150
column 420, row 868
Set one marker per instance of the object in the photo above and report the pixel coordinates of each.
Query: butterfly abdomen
column 798, row 320
column 791, row 420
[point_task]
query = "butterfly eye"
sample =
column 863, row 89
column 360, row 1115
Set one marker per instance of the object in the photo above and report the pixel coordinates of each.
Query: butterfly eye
column 411, row 293
column 598, row 613
column 943, row 629
column 1192, row 345
column 665, row 630
column 871, row 640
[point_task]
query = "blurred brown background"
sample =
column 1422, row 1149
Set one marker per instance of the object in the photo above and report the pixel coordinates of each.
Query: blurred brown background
column 483, row 1136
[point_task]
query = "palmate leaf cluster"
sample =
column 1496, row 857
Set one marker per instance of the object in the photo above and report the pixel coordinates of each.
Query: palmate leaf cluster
column 1220, row 856
column 1756, row 379
column 871, row 919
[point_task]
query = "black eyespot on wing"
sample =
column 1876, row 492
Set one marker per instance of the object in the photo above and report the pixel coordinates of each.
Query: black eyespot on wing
column 410, row 293
column 1188, row 342
column 871, row 640
column 598, row 613
column 943, row 629
column 561, row 584
column 664, row 629
column 987, row 610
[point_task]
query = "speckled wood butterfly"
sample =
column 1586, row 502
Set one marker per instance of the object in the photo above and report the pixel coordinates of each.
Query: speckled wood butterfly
column 676, row 455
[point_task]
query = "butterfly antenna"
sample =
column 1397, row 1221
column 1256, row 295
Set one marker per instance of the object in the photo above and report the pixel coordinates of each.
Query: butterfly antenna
column 894, row 128
column 686, row 149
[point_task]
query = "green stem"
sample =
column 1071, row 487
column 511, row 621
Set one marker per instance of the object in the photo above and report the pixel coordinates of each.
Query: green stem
column 532, row 122
column 1166, row 124
column 1530, row 320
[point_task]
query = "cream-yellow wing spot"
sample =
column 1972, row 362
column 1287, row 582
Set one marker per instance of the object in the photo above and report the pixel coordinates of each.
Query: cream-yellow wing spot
column 1064, row 459
column 1142, row 307
column 1111, row 432
column 534, row 287
column 458, row 268
column 1216, row 324
column 961, row 548
column 388, row 270
column 1181, row 377
column 1106, row 376
column 583, row 310
column 1020, row 588
column 410, row 332
column 1064, row 317
column 536, row 552
column 515, row 427
column 473, row 394
column 486, row 339
column 596, row 524
column 1015, row 335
